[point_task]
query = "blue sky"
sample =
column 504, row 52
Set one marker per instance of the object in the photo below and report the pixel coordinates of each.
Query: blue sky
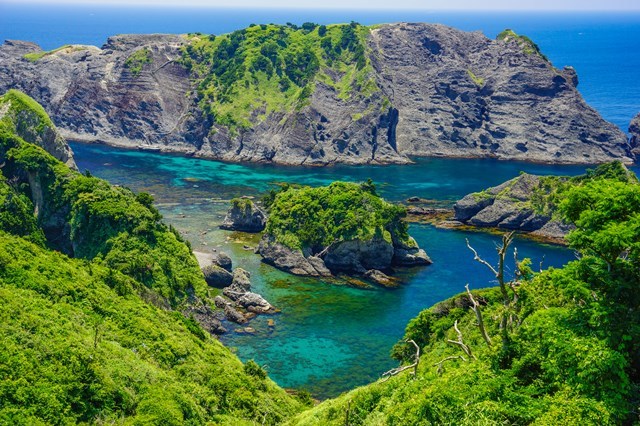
column 375, row 4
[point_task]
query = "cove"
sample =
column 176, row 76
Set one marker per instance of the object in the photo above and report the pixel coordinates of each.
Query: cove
column 328, row 338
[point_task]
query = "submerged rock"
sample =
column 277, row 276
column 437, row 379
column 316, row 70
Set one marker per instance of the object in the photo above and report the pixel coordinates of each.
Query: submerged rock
column 380, row 278
column 244, row 216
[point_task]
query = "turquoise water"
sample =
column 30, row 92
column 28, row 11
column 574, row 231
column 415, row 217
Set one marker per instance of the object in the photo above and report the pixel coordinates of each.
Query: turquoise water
column 328, row 337
column 603, row 47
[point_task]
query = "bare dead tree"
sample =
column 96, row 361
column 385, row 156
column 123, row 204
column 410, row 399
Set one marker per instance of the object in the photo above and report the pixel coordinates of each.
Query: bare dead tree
column 498, row 272
column 398, row 370
column 460, row 342
column 449, row 358
column 475, row 306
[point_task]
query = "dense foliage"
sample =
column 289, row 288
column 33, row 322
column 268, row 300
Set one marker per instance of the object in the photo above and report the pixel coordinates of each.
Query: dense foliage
column 569, row 353
column 86, row 217
column 314, row 218
column 94, row 339
column 248, row 74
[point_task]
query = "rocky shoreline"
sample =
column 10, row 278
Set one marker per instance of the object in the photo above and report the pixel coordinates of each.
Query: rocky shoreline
column 439, row 92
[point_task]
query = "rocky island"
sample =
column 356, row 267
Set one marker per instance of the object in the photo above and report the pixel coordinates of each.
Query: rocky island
column 342, row 228
column 318, row 95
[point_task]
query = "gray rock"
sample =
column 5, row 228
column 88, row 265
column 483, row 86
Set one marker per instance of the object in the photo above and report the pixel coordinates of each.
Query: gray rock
column 292, row 261
column 205, row 317
column 380, row 278
column 221, row 302
column 233, row 315
column 444, row 92
column 223, row 260
column 241, row 279
column 217, row 277
column 357, row 256
column 634, row 131
column 253, row 302
column 509, row 206
column 244, row 216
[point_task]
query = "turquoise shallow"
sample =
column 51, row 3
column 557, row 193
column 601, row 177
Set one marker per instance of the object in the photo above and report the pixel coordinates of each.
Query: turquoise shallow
column 329, row 337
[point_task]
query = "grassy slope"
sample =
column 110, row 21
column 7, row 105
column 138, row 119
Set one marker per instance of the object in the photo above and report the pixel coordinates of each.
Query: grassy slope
column 80, row 344
column 245, row 76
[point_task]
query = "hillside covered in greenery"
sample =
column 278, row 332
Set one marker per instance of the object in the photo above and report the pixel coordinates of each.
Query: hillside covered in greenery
column 92, row 286
column 560, row 346
column 263, row 69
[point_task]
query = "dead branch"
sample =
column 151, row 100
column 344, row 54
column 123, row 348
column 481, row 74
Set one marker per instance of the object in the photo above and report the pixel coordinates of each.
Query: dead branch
column 398, row 370
column 449, row 358
column 481, row 260
column 475, row 306
column 460, row 343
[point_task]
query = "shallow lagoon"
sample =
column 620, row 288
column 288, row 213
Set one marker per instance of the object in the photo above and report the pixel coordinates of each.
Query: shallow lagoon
column 328, row 338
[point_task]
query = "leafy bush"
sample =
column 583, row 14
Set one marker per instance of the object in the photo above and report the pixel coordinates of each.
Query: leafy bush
column 316, row 217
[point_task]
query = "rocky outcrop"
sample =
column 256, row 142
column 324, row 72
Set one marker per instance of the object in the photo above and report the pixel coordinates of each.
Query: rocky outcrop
column 238, row 296
column 216, row 276
column 634, row 131
column 349, row 257
column 244, row 216
column 440, row 92
column 510, row 206
column 223, row 260
column 290, row 260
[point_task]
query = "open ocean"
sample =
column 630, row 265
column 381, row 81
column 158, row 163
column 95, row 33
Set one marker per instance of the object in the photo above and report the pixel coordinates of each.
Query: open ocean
column 603, row 47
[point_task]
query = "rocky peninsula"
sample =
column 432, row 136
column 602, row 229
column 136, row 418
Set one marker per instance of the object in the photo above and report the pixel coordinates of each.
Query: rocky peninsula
column 530, row 203
column 318, row 95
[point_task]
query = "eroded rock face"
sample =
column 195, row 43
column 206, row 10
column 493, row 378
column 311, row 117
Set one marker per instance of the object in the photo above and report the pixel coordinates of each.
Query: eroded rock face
column 293, row 261
column 508, row 206
column 443, row 92
column 244, row 216
column 350, row 257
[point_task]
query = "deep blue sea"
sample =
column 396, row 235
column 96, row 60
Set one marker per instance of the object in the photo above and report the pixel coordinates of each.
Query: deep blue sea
column 329, row 338
column 603, row 47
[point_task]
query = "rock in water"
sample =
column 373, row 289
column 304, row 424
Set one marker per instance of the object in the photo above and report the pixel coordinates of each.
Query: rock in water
column 634, row 131
column 244, row 216
column 216, row 276
column 431, row 91
column 380, row 278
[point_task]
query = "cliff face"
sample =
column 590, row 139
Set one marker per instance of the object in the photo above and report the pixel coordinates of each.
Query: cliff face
column 407, row 90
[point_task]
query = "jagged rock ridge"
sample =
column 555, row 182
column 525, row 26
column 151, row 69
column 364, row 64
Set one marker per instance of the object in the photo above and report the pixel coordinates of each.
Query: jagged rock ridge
column 442, row 92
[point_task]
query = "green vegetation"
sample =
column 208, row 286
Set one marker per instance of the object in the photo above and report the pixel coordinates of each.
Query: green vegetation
column 248, row 74
column 35, row 56
column 563, row 349
column 317, row 217
column 94, row 339
column 137, row 60
column 526, row 44
column 479, row 81
column 552, row 190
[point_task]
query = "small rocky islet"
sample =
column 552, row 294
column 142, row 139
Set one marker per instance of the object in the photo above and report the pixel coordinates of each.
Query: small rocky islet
column 344, row 228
